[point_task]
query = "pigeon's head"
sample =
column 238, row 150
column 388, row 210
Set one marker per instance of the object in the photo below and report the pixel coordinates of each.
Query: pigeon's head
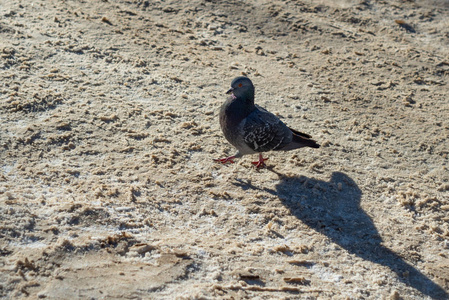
column 242, row 88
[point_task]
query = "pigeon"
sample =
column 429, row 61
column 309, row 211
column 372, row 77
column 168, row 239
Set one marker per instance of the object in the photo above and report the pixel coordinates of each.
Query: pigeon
column 252, row 129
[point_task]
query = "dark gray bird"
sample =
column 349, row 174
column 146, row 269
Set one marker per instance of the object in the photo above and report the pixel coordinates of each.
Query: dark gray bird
column 252, row 129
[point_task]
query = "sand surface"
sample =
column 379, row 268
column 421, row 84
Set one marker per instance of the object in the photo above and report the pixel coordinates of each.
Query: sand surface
column 109, row 128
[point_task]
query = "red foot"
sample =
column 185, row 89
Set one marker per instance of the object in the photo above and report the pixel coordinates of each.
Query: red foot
column 261, row 163
column 225, row 160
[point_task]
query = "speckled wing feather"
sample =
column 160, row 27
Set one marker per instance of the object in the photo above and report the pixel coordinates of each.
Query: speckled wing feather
column 263, row 131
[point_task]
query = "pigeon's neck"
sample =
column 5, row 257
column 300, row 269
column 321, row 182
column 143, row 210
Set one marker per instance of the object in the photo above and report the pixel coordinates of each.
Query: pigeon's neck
column 235, row 110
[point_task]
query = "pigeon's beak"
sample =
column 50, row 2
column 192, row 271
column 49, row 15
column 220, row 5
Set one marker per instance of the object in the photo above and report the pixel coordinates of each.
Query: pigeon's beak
column 230, row 91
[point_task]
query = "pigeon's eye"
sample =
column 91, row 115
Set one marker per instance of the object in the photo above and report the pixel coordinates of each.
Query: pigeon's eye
column 240, row 85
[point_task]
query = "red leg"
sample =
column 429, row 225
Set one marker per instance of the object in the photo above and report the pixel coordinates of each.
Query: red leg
column 225, row 160
column 261, row 163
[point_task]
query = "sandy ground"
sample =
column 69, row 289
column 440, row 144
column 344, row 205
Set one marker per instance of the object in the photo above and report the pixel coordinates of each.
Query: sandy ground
column 109, row 128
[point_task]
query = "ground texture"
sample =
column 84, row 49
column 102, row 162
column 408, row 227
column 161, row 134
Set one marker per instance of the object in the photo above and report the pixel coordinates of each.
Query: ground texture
column 109, row 128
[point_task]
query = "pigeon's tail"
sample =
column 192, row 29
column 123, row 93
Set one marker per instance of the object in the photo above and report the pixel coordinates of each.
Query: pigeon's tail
column 300, row 140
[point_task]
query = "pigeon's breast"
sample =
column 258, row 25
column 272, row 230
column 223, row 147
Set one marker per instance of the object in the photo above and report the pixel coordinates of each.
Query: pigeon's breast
column 232, row 122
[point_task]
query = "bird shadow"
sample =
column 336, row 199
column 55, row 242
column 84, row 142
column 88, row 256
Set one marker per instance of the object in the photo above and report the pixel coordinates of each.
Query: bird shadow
column 333, row 209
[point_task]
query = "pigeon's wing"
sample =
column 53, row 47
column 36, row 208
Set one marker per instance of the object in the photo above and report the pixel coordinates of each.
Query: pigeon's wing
column 263, row 131
column 300, row 134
